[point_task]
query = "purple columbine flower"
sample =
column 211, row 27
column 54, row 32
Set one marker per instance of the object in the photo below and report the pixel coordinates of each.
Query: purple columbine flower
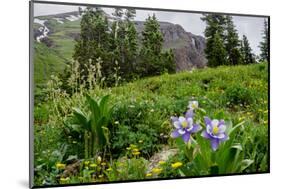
column 215, row 132
column 185, row 126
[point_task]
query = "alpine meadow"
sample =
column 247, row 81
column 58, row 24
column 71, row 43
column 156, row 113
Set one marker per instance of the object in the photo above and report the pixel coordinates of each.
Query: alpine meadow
column 125, row 94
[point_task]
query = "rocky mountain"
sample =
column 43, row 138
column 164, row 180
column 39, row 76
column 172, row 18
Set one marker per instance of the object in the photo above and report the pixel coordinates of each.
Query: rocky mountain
column 59, row 31
column 187, row 47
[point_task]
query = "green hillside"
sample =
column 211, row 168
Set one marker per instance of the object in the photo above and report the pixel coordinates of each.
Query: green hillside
column 141, row 116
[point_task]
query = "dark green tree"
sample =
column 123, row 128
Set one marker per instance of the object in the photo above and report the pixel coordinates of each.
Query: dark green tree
column 232, row 43
column 247, row 55
column 264, row 44
column 124, row 41
column 131, row 42
column 218, row 54
column 215, row 37
column 93, row 42
column 151, row 56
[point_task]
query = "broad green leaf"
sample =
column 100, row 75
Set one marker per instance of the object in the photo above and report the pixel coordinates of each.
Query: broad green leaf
column 81, row 117
column 245, row 164
column 104, row 104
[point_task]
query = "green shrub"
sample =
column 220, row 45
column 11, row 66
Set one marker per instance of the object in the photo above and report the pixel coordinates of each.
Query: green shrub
column 238, row 95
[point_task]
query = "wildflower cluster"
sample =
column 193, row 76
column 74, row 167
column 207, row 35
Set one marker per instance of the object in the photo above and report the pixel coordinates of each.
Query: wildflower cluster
column 133, row 150
column 185, row 126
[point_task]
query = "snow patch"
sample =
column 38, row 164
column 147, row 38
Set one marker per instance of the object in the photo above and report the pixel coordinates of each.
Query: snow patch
column 193, row 41
column 38, row 21
column 73, row 18
column 43, row 29
column 59, row 20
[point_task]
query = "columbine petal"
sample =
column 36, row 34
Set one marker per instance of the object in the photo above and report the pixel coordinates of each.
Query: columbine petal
column 221, row 122
column 175, row 134
column 186, row 137
column 220, row 136
column 189, row 114
column 195, row 128
column 208, row 121
column 209, row 129
column 189, row 121
column 225, row 138
column 215, row 144
column 222, row 128
column 215, row 122
column 205, row 135
column 182, row 119
column 173, row 119
column 177, row 124
column 181, row 131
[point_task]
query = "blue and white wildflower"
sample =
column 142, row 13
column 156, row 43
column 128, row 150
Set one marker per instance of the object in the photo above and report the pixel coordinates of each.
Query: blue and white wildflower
column 215, row 132
column 184, row 126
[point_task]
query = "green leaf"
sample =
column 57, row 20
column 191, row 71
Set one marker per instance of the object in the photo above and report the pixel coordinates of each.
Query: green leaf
column 237, row 146
column 82, row 118
column 95, row 112
column 103, row 104
column 245, row 164
column 235, row 127
column 181, row 173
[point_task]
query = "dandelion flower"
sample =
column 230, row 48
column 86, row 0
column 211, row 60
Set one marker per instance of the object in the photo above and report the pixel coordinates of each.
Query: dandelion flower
column 136, row 153
column 156, row 170
column 148, row 175
column 161, row 162
column 60, row 166
column 176, row 165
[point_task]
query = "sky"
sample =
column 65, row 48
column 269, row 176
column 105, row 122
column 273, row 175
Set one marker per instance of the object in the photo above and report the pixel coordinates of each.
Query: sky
column 250, row 26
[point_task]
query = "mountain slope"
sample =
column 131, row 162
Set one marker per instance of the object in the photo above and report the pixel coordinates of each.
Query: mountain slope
column 58, row 33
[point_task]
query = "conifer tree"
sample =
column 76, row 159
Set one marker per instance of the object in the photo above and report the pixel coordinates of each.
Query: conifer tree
column 215, row 36
column 217, row 56
column 93, row 42
column 264, row 44
column 124, row 41
column 152, row 59
column 248, row 56
column 232, row 44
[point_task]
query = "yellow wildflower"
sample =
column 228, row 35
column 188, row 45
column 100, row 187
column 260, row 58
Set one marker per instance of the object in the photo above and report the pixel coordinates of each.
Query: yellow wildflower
column 156, row 170
column 161, row 162
column 176, row 165
column 103, row 163
column 135, row 150
column 148, row 175
column 60, row 166
column 64, row 179
column 136, row 153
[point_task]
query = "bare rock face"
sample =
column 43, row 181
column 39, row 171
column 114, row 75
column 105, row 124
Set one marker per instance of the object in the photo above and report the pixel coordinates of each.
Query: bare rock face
column 187, row 47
